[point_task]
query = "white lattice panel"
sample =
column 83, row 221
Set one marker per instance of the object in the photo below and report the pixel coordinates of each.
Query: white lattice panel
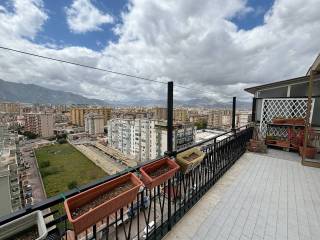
column 283, row 107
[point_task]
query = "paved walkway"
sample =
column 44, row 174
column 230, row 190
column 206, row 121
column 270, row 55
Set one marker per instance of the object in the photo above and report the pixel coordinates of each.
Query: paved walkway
column 260, row 197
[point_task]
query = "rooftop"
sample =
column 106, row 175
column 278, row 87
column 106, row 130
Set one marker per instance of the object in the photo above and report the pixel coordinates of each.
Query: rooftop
column 5, row 201
column 263, row 196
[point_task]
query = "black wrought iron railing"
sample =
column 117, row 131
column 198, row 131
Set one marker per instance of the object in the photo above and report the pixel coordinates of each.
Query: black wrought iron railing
column 154, row 212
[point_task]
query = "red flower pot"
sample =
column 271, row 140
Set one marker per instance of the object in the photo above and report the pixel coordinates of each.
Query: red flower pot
column 147, row 172
column 98, row 213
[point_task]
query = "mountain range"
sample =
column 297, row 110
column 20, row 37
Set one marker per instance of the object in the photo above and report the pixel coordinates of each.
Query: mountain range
column 31, row 93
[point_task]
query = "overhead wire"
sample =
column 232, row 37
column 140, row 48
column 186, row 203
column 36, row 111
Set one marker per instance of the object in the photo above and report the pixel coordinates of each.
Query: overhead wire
column 96, row 68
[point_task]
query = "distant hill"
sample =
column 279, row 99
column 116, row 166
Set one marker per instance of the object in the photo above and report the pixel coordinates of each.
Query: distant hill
column 31, row 93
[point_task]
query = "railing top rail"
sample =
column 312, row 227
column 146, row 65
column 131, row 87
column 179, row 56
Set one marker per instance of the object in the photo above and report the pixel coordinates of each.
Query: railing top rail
column 49, row 202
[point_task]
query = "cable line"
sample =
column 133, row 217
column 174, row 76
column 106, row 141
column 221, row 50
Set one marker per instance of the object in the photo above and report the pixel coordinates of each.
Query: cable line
column 95, row 68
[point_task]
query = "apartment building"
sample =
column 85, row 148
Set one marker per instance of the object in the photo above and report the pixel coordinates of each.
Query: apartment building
column 159, row 113
column 78, row 114
column 94, row 123
column 9, row 107
column 195, row 118
column 10, row 198
column 220, row 118
column 39, row 123
column 180, row 115
column 146, row 139
column 243, row 118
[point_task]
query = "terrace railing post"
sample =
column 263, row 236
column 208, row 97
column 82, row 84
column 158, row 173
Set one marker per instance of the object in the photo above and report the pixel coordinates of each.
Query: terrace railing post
column 170, row 118
column 234, row 114
column 169, row 143
column 253, row 114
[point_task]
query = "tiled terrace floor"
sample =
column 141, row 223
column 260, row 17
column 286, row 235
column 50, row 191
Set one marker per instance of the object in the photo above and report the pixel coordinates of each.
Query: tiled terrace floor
column 267, row 197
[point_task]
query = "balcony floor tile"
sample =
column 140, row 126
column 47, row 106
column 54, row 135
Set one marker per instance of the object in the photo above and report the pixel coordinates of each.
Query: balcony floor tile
column 261, row 197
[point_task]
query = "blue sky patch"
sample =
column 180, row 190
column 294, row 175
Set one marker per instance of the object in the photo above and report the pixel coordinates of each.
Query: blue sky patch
column 255, row 17
column 56, row 31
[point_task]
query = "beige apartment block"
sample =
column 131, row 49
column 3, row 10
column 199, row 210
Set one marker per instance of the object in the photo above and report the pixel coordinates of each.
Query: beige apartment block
column 40, row 124
column 9, row 107
column 78, row 114
column 180, row 115
column 94, row 123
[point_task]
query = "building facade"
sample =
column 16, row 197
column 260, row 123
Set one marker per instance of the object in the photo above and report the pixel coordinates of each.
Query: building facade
column 220, row 118
column 78, row 114
column 9, row 107
column 146, row 139
column 39, row 123
column 180, row 115
column 94, row 123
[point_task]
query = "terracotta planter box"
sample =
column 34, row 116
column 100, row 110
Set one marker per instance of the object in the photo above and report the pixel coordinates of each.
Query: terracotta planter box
column 309, row 152
column 113, row 203
column 158, row 172
column 295, row 121
column 190, row 159
column 30, row 226
column 279, row 120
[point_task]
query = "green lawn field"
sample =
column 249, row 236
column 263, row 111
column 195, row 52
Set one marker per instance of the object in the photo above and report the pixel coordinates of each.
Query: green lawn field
column 62, row 167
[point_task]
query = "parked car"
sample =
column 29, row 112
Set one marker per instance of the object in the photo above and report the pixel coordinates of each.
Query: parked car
column 28, row 194
column 28, row 187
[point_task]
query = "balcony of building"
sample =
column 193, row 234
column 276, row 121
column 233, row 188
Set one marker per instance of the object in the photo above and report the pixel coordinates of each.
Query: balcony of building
column 263, row 196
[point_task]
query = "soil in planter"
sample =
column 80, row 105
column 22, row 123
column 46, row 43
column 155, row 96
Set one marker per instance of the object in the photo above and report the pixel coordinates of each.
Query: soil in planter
column 28, row 234
column 101, row 199
column 159, row 171
column 191, row 157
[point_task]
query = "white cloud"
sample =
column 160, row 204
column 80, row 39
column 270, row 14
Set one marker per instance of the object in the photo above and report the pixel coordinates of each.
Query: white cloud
column 26, row 20
column 193, row 44
column 83, row 16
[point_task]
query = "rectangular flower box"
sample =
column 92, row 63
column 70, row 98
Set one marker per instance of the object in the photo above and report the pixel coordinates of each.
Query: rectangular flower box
column 190, row 159
column 158, row 172
column 30, row 226
column 89, row 207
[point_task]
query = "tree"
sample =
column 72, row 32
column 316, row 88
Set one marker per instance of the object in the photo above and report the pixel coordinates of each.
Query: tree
column 72, row 184
column 30, row 135
column 62, row 140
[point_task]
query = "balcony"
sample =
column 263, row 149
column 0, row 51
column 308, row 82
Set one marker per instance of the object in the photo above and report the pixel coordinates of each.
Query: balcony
column 263, row 196
column 231, row 195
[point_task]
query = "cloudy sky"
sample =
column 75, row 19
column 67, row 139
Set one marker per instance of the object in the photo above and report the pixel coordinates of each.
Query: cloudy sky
column 217, row 46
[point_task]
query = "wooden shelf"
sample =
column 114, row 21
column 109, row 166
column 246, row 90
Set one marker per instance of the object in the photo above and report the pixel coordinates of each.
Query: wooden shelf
column 285, row 125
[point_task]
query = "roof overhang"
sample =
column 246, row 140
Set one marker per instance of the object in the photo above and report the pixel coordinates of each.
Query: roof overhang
column 315, row 66
column 283, row 83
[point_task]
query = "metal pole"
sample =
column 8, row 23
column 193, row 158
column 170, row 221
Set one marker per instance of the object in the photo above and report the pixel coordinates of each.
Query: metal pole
column 307, row 119
column 169, row 143
column 234, row 113
column 254, row 105
column 170, row 118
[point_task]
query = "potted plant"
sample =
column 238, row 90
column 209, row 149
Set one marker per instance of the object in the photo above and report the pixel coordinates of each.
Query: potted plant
column 158, row 172
column 190, row 159
column 30, row 226
column 309, row 151
column 89, row 207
